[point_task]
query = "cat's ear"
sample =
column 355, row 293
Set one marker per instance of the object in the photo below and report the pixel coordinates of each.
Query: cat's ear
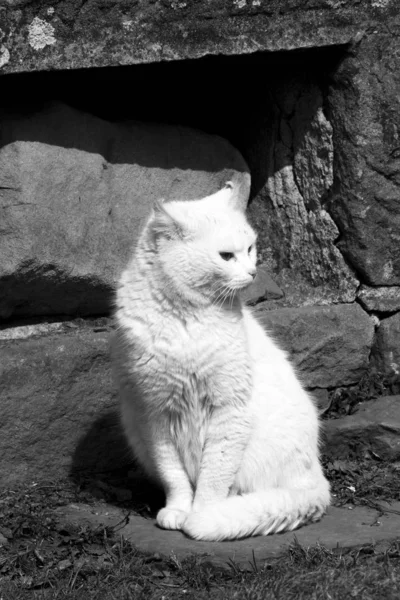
column 231, row 195
column 165, row 223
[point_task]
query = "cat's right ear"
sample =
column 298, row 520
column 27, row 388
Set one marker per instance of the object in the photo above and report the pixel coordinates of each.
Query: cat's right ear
column 163, row 223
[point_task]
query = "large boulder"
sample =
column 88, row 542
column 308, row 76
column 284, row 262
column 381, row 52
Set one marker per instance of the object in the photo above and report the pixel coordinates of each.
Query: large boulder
column 74, row 192
column 364, row 107
column 297, row 236
column 330, row 345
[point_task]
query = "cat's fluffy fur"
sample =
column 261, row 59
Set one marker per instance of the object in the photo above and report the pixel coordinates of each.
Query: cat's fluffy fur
column 210, row 405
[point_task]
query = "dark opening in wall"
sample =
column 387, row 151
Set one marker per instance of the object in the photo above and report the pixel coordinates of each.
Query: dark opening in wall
column 235, row 97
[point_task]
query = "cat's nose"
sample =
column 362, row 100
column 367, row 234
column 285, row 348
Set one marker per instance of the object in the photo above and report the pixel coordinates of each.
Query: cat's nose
column 253, row 272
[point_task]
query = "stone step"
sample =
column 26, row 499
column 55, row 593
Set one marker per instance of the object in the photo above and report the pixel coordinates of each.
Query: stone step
column 346, row 527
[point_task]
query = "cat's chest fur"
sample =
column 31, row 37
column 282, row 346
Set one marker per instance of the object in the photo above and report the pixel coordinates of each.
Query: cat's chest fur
column 202, row 341
column 200, row 358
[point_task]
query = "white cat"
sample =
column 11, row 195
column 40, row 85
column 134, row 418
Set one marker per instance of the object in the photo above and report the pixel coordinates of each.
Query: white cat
column 211, row 406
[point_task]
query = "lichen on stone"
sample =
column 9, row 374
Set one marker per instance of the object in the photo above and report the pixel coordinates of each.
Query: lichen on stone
column 40, row 34
column 380, row 3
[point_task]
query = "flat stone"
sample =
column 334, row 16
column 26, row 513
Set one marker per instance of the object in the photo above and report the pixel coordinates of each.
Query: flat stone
column 339, row 528
column 59, row 411
column 385, row 355
column 263, row 288
column 330, row 345
column 373, row 429
column 380, row 299
column 74, row 193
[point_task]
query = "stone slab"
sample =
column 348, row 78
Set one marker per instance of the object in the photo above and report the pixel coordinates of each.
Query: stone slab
column 373, row 429
column 58, row 406
column 340, row 528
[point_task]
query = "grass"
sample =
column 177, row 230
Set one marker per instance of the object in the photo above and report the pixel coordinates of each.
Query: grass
column 43, row 559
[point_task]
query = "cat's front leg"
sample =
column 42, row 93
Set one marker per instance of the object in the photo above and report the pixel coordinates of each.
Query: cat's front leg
column 175, row 481
column 227, row 437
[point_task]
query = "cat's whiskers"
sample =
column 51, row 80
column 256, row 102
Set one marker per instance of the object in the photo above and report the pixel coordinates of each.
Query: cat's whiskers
column 232, row 297
column 218, row 302
column 220, row 290
column 225, row 296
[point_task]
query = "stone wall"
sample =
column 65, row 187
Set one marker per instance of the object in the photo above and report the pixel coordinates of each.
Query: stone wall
column 80, row 165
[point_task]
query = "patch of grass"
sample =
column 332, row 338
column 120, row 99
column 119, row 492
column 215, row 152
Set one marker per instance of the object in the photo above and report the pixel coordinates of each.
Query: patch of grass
column 45, row 560
column 126, row 574
column 363, row 482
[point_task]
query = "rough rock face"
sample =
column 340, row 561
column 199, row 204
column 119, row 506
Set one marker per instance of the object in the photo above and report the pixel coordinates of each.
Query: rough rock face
column 373, row 430
column 364, row 103
column 330, row 345
column 296, row 234
column 386, row 351
column 74, row 191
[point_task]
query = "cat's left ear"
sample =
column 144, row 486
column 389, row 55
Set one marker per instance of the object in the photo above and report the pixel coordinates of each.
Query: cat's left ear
column 165, row 223
column 231, row 195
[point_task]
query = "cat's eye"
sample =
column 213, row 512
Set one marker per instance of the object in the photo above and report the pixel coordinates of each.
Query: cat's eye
column 226, row 255
column 250, row 248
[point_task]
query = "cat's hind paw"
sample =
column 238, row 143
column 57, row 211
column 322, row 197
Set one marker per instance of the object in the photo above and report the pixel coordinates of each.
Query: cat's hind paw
column 171, row 518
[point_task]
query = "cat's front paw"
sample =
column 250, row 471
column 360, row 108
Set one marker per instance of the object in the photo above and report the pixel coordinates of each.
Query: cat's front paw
column 171, row 518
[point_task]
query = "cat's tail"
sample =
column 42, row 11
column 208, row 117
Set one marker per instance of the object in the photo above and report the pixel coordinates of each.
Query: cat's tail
column 258, row 513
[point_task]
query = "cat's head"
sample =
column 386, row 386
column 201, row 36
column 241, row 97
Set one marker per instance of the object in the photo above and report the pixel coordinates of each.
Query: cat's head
column 206, row 248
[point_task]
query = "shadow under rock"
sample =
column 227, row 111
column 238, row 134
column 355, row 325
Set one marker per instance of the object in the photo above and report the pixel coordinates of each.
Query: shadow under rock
column 103, row 467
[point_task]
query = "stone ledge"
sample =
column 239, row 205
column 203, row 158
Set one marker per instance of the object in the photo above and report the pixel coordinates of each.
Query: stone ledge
column 66, row 35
